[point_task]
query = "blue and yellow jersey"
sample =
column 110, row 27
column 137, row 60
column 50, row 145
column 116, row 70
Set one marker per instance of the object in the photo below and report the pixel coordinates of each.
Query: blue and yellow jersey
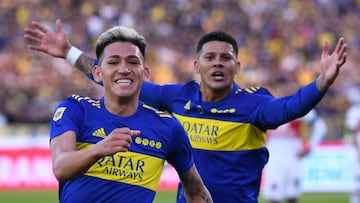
column 228, row 137
column 131, row 176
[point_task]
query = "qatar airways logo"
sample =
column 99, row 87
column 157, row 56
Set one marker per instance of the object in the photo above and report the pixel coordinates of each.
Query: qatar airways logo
column 201, row 132
column 122, row 166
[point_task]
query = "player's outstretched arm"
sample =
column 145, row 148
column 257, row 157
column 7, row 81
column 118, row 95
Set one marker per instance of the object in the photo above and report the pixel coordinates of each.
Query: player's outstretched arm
column 331, row 64
column 57, row 44
column 194, row 187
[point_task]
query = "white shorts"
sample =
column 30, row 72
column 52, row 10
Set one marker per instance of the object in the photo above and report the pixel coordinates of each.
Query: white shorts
column 281, row 179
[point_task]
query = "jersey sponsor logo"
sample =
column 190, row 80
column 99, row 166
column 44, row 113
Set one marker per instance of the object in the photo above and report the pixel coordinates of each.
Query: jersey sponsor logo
column 59, row 113
column 215, row 135
column 127, row 167
column 99, row 133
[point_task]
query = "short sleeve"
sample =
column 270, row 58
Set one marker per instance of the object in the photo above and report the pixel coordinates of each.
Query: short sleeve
column 67, row 116
column 181, row 155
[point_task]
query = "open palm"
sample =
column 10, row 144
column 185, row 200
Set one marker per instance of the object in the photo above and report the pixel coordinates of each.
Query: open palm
column 331, row 64
column 43, row 40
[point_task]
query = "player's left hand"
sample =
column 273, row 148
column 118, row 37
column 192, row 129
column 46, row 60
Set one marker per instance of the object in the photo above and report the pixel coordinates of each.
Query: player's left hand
column 331, row 63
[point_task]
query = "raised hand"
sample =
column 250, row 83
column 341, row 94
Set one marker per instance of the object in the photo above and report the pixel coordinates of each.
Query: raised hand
column 44, row 40
column 331, row 64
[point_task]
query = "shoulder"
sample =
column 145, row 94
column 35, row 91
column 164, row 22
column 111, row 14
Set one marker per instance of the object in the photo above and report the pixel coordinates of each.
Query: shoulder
column 158, row 117
column 192, row 84
column 85, row 100
column 79, row 103
column 190, row 88
column 151, row 111
column 250, row 97
column 74, row 106
column 254, row 90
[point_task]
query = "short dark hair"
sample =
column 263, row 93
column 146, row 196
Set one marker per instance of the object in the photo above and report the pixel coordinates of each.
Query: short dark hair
column 217, row 36
column 120, row 33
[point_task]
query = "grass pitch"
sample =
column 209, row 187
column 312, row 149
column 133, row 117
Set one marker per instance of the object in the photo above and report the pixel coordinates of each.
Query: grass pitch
column 161, row 197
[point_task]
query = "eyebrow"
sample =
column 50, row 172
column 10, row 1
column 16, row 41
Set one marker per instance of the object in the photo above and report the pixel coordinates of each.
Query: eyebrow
column 128, row 56
column 232, row 53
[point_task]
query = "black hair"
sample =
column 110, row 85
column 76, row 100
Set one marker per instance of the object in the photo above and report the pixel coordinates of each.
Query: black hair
column 217, row 36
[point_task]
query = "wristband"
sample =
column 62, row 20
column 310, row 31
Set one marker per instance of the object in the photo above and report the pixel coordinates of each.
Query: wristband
column 73, row 55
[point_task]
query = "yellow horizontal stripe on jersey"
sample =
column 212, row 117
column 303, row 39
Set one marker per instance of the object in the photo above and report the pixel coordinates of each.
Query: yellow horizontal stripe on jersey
column 218, row 135
column 127, row 167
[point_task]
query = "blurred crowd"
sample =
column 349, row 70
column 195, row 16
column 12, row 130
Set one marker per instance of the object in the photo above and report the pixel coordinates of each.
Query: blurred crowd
column 276, row 38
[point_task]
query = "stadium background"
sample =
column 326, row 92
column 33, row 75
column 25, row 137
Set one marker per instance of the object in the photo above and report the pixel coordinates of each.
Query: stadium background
column 277, row 38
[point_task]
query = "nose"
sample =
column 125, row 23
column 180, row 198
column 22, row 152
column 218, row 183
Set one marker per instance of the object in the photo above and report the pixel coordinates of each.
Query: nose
column 217, row 62
column 123, row 68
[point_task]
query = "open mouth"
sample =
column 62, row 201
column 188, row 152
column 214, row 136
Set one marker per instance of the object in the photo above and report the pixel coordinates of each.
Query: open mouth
column 124, row 82
column 218, row 75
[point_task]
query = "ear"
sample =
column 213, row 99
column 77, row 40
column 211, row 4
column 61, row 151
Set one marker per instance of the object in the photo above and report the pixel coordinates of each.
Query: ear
column 97, row 74
column 196, row 66
column 146, row 74
column 238, row 68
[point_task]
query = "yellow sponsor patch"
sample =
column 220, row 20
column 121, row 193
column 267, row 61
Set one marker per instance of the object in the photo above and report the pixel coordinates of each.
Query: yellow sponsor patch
column 59, row 113
column 218, row 135
column 127, row 167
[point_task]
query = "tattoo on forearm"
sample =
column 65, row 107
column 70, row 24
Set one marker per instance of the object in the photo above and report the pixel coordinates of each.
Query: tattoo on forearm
column 84, row 64
column 194, row 186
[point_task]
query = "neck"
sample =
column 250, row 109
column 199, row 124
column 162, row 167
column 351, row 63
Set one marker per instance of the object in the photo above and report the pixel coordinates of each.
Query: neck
column 121, row 106
column 213, row 95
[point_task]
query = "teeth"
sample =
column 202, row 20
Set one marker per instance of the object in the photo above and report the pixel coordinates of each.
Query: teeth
column 126, row 82
column 218, row 74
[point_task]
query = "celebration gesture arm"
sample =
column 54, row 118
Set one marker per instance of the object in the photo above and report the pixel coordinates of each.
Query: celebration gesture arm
column 331, row 64
column 44, row 40
column 57, row 44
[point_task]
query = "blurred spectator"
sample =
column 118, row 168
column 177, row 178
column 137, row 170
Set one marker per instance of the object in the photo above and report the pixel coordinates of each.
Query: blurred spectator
column 273, row 35
column 287, row 145
column 352, row 125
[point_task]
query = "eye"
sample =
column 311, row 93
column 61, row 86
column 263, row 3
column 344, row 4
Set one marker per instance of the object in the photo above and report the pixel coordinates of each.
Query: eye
column 227, row 57
column 134, row 62
column 113, row 62
column 208, row 57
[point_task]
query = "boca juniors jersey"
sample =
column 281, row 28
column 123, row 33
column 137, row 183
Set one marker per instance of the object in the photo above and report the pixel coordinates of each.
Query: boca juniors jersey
column 130, row 176
column 228, row 137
